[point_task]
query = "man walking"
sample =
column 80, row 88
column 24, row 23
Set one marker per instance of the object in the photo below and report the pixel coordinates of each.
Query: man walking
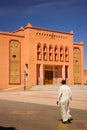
column 64, row 98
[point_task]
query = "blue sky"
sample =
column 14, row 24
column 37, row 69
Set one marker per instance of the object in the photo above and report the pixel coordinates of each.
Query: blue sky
column 61, row 15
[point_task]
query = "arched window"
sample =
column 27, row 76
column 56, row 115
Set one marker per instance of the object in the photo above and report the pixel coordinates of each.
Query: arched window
column 66, row 54
column 50, row 53
column 45, row 52
column 61, row 54
column 56, row 53
column 39, row 51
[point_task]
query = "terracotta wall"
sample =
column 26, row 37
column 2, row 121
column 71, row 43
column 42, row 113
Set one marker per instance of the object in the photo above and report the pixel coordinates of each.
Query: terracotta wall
column 34, row 36
column 85, row 77
column 5, row 38
column 29, row 37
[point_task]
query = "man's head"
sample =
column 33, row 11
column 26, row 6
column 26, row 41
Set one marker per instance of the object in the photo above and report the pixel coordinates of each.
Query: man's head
column 63, row 82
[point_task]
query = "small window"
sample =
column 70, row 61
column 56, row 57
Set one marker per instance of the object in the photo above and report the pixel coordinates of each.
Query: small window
column 56, row 53
column 45, row 52
column 14, row 56
column 66, row 54
column 39, row 51
column 61, row 54
column 50, row 53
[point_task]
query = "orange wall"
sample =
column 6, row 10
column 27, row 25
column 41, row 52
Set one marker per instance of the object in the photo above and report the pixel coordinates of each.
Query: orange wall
column 29, row 37
column 4, row 56
column 85, row 76
column 34, row 38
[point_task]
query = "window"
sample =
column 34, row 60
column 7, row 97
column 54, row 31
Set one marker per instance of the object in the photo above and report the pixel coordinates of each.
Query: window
column 56, row 53
column 44, row 52
column 39, row 51
column 66, row 54
column 61, row 54
column 50, row 53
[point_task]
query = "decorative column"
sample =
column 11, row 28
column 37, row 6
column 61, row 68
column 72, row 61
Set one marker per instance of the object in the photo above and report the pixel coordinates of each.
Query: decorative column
column 41, row 74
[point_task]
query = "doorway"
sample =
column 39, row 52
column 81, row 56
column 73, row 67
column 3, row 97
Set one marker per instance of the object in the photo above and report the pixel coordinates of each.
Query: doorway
column 48, row 77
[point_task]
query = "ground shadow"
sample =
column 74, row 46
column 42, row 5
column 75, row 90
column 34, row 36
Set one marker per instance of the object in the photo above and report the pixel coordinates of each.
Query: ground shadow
column 7, row 128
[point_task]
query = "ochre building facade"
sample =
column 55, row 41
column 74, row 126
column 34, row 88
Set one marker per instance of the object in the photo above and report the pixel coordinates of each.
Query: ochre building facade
column 35, row 56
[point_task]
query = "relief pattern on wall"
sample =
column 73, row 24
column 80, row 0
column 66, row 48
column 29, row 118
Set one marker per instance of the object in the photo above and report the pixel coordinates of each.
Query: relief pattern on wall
column 77, row 66
column 14, row 62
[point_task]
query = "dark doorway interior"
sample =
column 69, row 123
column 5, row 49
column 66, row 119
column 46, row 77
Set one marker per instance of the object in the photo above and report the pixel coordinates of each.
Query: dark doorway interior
column 48, row 77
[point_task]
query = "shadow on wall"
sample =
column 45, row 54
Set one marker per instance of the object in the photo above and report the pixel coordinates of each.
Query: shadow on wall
column 7, row 128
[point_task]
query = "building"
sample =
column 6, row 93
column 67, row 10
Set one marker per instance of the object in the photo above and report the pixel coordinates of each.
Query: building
column 40, row 56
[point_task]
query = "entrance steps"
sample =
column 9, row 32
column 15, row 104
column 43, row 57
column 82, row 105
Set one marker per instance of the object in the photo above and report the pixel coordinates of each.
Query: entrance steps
column 56, row 87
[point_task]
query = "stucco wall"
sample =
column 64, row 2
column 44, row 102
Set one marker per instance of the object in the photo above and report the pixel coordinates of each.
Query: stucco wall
column 29, row 37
